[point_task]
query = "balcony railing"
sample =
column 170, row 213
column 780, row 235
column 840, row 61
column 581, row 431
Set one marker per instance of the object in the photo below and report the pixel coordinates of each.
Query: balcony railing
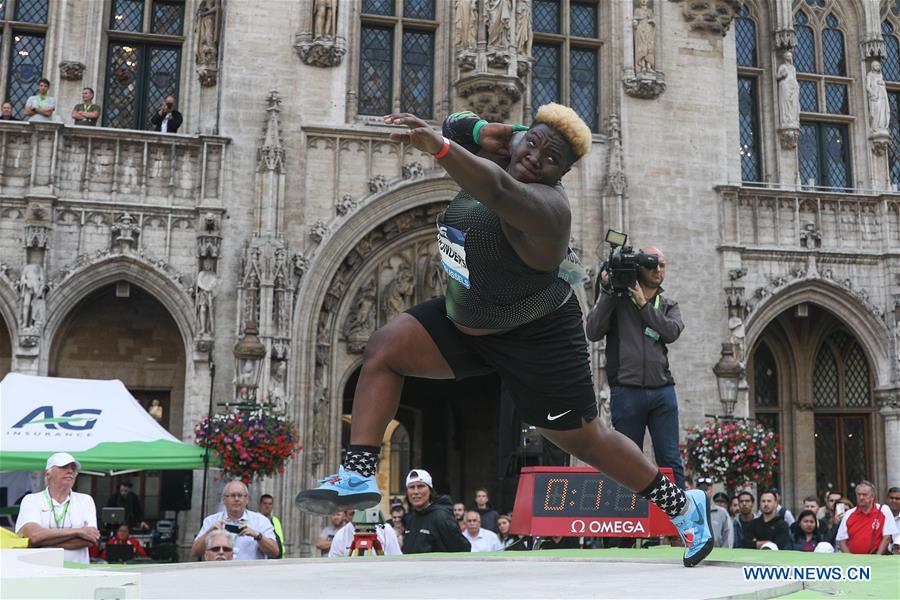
column 829, row 221
column 123, row 167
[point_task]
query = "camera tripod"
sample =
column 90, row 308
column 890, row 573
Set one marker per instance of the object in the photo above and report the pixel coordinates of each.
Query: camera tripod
column 363, row 541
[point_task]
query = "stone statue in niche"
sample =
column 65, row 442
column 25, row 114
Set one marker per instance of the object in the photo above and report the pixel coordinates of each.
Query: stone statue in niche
column 277, row 383
column 498, row 14
column 524, row 34
column 31, row 287
column 644, row 37
column 207, row 33
column 876, row 94
column 204, row 293
column 324, row 22
column 466, row 24
column 788, row 94
column 360, row 323
column 397, row 293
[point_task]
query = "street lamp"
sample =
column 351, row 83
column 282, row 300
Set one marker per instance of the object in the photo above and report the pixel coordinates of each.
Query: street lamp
column 728, row 373
column 248, row 353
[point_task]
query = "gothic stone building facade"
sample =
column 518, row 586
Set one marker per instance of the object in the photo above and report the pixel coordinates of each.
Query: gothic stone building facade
column 756, row 142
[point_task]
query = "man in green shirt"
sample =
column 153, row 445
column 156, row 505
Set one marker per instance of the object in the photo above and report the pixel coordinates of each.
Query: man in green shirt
column 266, row 504
column 87, row 112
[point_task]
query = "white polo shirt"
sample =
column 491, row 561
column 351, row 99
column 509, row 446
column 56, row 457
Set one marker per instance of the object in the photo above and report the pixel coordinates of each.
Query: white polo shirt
column 340, row 545
column 485, row 541
column 75, row 512
column 245, row 547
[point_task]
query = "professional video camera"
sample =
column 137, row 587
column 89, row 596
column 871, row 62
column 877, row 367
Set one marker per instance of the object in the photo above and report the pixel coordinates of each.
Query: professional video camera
column 623, row 263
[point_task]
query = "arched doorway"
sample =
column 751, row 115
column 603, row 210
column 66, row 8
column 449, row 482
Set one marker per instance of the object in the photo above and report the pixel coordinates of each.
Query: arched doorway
column 5, row 348
column 121, row 331
column 812, row 384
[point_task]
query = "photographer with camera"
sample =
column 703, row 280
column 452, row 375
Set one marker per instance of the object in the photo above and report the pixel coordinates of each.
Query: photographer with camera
column 638, row 323
column 254, row 534
column 167, row 119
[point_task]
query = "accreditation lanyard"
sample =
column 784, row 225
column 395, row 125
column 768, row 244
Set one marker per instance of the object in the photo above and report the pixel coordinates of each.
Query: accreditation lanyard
column 61, row 518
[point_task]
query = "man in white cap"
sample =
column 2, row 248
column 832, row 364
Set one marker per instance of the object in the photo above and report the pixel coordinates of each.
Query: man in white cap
column 57, row 517
column 431, row 526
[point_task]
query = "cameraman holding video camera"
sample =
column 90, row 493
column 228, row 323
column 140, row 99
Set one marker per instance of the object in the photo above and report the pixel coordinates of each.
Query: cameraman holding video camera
column 638, row 323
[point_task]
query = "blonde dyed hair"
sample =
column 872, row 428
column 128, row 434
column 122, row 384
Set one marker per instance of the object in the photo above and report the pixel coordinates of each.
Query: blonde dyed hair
column 569, row 124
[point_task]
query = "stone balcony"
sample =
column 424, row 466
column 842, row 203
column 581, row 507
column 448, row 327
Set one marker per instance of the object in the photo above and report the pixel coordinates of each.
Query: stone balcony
column 760, row 219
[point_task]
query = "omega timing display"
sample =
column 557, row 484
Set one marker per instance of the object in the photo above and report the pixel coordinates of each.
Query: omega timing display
column 585, row 495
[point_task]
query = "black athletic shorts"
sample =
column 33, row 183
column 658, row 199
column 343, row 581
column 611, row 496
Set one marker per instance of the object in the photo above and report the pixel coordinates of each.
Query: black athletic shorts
column 544, row 364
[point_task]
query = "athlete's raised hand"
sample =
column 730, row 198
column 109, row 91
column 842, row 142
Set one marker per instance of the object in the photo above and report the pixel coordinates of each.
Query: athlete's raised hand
column 494, row 138
column 419, row 134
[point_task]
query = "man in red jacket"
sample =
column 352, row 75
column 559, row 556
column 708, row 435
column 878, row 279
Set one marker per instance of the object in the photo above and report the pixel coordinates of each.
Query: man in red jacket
column 123, row 536
column 866, row 529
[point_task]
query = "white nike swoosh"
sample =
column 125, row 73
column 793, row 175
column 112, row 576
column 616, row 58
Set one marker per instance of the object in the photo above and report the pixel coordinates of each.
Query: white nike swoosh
column 553, row 418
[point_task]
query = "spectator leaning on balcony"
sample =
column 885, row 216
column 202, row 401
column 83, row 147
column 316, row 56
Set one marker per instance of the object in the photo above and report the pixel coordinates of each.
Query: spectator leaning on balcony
column 41, row 106
column 6, row 111
column 167, row 119
column 88, row 111
column 868, row 528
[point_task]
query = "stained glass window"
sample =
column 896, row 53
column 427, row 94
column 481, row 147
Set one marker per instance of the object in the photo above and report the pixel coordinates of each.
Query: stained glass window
column 583, row 19
column 545, row 16
column 162, row 78
column 836, row 167
column 417, row 73
column 809, row 96
column 805, row 50
column 138, row 78
column 856, row 378
column 26, row 63
column 836, row 98
column 833, row 48
column 825, row 379
column 378, row 7
column 808, row 147
column 583, row 80
column 127, row 15
column 123, row 65
column 32, row 11
column 894, row 147
column 749, row 124
column 168, row 17
column 375, row 70
column 891, row 64
column 745, row 39
column 765, row 377
column 545, row 75
column 418, row 9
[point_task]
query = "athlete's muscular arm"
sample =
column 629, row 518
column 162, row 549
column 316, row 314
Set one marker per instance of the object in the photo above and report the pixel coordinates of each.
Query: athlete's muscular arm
column 537, row 210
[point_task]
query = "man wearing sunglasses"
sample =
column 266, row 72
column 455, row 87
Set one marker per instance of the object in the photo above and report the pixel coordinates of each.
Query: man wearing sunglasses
column 219, row 546
column 254, row 534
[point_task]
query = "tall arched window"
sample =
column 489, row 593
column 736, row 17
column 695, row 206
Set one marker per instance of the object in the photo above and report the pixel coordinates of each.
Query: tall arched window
column 820, row 58
column 23, row 28
column 748, row 94
column 396, row 57
column 566, row 55
column 890, row 31
column 842, row 401
column 766, row 401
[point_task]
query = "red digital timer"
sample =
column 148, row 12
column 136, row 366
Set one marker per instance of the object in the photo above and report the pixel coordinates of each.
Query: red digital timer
column 581, row 501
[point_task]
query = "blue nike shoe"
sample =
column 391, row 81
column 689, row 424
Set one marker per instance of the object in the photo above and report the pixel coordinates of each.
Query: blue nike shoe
column 694, row 528
column 344, row 490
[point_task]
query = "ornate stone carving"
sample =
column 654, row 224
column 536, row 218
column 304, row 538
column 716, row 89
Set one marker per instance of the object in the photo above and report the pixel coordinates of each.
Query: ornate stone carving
column 37, row 236
column 413, row 170
column 810, row 237
column 378, row 183
column 465, row 60
column 647, row 85
column 360, row 322
column 490, row 95
column 125, row 233
column 301, row 265
column 321, row 417
column 396, row 296
column 710, row 15
column 524, row 32
column 873, row 48
column 31, row 287
column 879, row 109
column 277, row 381
column 71, row 70
column 346, row 205
column 206, row 56
column 270, row 155
column 465, row 13
column 320, row 52
column 318, row 231
column 788, row 101
column 785, row 39
column 616, row 182
column 324, row 19
column 644, row 25
column 888, row 401
column 497, row 17
column 205, row 290
column 811, row 273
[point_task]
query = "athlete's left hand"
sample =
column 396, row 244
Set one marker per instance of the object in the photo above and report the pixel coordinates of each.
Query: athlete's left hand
column 638, row 294
column 420, row 135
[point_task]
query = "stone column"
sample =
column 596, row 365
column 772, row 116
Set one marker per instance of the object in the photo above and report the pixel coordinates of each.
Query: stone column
column 888, row 402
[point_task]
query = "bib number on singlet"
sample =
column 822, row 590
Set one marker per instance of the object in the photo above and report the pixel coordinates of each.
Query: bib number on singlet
column 452, row 246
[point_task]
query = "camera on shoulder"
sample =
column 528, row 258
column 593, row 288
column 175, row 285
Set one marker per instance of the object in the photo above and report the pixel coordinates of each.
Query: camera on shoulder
column 623, row 263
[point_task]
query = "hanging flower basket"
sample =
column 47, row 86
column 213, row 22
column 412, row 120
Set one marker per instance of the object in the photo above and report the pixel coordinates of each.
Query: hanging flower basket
column 736, row 453
column 254, row 443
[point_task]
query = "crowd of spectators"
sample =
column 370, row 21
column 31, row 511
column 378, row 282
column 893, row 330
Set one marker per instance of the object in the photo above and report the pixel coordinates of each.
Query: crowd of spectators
column 87, row 113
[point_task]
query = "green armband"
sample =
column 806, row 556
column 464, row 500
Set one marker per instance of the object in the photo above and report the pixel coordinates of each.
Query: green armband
column 517, row 128
column 477, row 129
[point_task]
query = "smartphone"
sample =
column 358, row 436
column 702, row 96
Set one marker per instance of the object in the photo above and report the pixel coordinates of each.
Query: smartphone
column 232, row 528
column 839, row 508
